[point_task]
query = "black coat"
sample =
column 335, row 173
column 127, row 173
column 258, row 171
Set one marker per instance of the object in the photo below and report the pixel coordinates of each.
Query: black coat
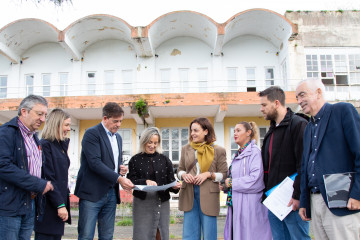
column 56, row 167
column 286, row 152
column 156, row 167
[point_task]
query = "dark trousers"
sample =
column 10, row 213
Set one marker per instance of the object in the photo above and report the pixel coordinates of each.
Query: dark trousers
column 41, row 236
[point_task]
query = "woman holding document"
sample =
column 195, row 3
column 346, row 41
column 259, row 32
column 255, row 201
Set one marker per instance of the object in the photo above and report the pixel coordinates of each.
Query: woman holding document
column 246, row 218
column 151, row 210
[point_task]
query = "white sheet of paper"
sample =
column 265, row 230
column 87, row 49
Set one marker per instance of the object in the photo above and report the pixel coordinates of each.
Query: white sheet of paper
column 147, row 188
column 279, row 199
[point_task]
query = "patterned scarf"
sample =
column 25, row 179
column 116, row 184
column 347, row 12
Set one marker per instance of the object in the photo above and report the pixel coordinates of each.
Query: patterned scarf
column 205, row 154
column 229, row 196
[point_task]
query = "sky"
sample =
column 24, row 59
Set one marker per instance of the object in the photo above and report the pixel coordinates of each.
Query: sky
column 143, row 12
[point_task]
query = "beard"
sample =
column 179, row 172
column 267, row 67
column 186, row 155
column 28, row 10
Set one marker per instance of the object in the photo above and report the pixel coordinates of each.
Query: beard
column 271, row 115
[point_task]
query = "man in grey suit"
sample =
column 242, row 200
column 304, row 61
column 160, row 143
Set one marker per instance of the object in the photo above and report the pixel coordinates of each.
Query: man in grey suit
column 100, row 174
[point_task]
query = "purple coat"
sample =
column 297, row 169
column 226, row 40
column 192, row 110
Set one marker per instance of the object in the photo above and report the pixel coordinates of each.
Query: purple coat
column 249, row 216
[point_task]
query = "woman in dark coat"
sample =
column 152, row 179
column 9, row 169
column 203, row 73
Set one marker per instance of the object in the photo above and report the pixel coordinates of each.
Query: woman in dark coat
column 55, row 145
column 151, row 210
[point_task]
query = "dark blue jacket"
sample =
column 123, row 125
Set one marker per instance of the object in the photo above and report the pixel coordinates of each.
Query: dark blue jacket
column 338, row 152
column 16, row 183
column 56, row 170
column 97, row 174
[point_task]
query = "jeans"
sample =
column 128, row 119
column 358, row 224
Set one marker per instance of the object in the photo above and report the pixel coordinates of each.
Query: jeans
column 18, row 227
column 195, row 222
column 292, row 227
column 102, row 211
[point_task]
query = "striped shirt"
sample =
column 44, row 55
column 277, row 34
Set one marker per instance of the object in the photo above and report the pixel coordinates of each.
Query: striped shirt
column 32, row 149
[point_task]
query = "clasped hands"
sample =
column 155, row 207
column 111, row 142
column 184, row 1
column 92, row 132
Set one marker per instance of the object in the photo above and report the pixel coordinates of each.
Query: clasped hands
column 226, row 185
column 197, row 180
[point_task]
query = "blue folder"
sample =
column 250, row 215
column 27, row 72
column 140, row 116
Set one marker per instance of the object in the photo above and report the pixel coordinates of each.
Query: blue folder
column 292, row 177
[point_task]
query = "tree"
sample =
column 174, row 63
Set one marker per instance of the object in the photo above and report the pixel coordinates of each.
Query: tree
column 56, row 2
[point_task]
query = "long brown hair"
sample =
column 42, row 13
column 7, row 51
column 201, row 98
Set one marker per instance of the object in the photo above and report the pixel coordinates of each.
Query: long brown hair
column 205, row 125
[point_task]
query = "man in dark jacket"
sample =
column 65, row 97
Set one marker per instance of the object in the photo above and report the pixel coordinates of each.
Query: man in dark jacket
column 281, row 154
column 20, row 169
column 331, row 146
column 100, row 174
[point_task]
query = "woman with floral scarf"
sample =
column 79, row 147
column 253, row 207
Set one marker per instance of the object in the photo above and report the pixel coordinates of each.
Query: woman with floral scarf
column 246, row 217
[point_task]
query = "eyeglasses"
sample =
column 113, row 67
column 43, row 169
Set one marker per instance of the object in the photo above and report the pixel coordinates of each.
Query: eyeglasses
column 39, row 113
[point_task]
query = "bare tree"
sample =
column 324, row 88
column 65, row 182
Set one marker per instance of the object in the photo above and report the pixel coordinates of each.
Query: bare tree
column 56, row 2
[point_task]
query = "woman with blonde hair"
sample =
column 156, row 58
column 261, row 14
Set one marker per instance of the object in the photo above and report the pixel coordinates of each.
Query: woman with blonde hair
column 55, row 143
column 202, row 166
column 151, row 210
column 246, row 217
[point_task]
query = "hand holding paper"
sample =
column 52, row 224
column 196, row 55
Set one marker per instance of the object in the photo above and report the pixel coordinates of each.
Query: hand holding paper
column 147, row 188
column 294, row 203
column 277, row 202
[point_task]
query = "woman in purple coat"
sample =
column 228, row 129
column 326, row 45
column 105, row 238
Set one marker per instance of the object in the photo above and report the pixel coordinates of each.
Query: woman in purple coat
column 246, row 217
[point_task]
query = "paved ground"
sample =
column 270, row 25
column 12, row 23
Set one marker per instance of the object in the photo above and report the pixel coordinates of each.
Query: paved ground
column 125, row 232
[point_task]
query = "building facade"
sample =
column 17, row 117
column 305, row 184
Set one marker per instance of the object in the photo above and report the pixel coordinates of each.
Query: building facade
column 183, row 64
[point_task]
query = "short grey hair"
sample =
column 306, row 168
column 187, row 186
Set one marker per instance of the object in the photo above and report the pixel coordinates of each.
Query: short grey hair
column 313, row 84
column 146, row 136
column 30, row 101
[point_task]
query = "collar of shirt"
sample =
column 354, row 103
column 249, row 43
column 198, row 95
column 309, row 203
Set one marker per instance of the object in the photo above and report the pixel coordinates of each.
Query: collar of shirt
column 320, row 114
column 110, row 134
column 24, row 129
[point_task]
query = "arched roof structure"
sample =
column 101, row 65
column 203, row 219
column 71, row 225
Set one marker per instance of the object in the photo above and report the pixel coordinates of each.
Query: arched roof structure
column 182, row 23
column 263, row 23
column 20, row 35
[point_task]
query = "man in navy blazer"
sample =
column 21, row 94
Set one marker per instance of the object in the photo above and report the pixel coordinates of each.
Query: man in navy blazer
column 21, row 162
column 331, row 145
column 99, row 175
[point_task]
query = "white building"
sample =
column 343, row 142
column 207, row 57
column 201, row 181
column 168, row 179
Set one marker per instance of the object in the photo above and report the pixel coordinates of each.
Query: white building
column 183, row 64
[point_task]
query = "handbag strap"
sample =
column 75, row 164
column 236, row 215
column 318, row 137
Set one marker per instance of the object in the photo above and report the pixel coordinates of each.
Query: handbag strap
column 193, row 163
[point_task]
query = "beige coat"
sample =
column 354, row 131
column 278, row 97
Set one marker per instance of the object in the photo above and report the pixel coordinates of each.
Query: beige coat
column 209, row 190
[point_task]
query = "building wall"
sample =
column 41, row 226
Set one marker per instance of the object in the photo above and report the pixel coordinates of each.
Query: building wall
column 184, row 53
column 45, row 58
column 109, row 55
column 174, row 122
column 5, row 65
column 231, row 122
column 118, row 57
column 321, row 29
column 251, row 52
column 327, row 28
column 126, row 123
